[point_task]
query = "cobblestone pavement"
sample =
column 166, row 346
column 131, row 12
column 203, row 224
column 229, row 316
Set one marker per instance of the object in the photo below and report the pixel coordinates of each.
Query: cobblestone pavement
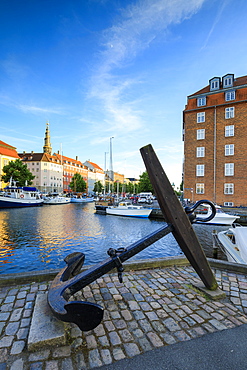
column 150, row 309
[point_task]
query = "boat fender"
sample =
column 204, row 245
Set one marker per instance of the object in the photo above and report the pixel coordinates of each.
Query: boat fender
column 22, row 196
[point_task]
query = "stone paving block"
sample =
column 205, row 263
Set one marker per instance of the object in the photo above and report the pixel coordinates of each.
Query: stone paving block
column 94, row 358
column 45, row 329
column 17, row 347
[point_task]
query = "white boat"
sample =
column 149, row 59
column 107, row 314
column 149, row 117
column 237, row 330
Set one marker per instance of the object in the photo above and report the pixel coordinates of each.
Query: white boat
column 129, row 210
column 221, row 218
column 55, row 198
column 234, row 243
column 20, row 196
column 80, row 199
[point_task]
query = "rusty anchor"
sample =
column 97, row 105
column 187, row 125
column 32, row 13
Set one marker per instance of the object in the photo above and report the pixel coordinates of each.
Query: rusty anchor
column 87, row 315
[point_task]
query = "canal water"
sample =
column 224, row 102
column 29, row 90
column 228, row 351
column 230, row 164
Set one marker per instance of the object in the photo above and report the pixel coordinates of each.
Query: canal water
column 39, row 238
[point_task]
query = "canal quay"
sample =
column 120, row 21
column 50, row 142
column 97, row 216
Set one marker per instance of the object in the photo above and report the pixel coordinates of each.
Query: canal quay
column 158, row 317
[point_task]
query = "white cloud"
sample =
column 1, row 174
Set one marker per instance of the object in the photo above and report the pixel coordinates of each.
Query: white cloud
column 134, row 32
column 35, row 109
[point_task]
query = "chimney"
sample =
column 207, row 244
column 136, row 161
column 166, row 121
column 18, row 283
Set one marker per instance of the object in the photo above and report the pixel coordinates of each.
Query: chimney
column 76, row 157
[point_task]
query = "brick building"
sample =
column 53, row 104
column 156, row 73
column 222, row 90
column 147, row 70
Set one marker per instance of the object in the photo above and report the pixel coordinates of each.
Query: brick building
column 215, row 142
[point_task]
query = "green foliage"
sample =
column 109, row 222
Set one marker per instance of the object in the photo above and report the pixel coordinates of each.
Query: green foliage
column 78, row 184
column 98, row 186
column 19, row 172
column 145, row 184
column 132, row 188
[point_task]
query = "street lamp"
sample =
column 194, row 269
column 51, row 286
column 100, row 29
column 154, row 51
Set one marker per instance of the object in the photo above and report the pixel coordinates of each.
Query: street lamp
column 110, row 165
column 105, row 172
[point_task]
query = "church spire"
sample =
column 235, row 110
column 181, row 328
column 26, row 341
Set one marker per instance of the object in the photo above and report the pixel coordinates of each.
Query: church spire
column 47, row 145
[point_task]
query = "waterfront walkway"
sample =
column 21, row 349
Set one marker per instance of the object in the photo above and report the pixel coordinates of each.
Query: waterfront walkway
column 155, row 318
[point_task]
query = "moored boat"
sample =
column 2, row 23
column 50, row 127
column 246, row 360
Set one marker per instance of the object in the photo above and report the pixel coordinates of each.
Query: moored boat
column 127, row 209
column 80, row 199
column 20, row 196
column 55, row 198
column 221, row 218
column 234, row 243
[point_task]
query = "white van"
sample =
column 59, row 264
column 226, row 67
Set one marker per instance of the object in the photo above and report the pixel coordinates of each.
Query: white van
column 145, row 197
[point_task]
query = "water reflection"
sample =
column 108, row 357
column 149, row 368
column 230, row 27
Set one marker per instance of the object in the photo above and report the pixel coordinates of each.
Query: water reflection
column 40, row 238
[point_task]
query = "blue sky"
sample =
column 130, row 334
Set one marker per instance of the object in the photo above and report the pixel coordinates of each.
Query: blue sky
column 97, row 69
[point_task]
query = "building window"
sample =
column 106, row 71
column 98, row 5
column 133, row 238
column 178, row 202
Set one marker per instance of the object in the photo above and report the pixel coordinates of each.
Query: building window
column 229, row 149
column 229, row 112
column 228, row 81
column 228, row 204
column 200, row 117
column 228, row 188
column 200, row 151
column 230, row 95
column 214, row 84
column 200, row 170
column 229, row 130
column 201, row 101
column 200, row 134
column 199, row 188
column 229, row 169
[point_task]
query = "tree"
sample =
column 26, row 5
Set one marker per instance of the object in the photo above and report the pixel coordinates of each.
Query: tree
column 145, row 184
column 98, row 187
column 19, row 172
column 77, row 183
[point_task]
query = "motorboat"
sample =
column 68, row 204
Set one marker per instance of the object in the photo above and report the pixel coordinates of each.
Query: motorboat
column 80, row 199
column 234, row 243
column 55, row 198
column 127, row 209
column 221, row 218
column 20, row 196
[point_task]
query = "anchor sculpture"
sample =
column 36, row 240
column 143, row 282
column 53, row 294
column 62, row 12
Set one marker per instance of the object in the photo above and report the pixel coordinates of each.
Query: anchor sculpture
column 69, row 280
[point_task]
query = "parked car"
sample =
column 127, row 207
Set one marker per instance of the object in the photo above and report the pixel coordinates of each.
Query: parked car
column 146, row 200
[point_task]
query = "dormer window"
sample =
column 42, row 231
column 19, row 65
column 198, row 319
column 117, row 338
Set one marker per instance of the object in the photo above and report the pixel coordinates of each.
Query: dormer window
column 228, row 80
column 214, row 83
column 201, row 101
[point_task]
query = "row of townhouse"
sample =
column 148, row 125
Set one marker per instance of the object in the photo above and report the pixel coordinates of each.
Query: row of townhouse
column 214, row 134
column 53, row 172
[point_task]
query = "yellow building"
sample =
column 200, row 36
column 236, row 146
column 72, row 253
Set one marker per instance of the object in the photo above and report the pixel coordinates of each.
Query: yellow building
column 7, row 153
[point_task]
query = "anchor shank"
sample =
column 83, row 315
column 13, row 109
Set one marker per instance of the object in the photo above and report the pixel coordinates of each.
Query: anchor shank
column 174, row 213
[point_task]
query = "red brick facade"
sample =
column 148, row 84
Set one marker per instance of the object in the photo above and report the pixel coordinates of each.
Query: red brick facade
column 221, row 145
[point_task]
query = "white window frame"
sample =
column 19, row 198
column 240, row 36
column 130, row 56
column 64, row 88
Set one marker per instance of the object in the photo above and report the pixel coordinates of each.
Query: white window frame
column 200, row 151
column 200, row 117
column 200, row 134
column 229, row 112
column 229, row 130
column 228, row 81
column 230, row 95
column 214, row 84
column 228, row 204
column 229, row 188
column 229, row 169
column 200, row 169
column 200, row 188
column 229, row 149
column 201, row 101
